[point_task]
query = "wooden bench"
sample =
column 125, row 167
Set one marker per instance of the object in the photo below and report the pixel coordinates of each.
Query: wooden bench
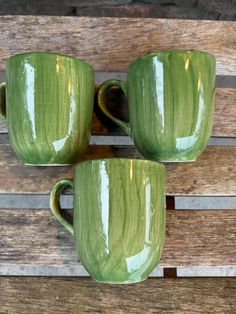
column 199, row 242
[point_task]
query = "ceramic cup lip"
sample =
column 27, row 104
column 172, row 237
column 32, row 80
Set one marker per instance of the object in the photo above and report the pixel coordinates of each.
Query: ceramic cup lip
column 128, row 160
column 28, row 53
column 154, row 54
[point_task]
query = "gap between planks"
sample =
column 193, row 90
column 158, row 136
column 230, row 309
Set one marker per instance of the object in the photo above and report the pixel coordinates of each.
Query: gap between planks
column 222, row 81
column 80, row 271
column 40, row 201
column 122, row 140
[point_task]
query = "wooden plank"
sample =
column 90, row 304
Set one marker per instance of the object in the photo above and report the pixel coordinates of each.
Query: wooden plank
column 33, row 243
column 84, row 3
column 142, row 10
column 225, row 112
column 22, row 177
column 96, row 40
column 66, row 2
column 224, row 117
column 213, row 173
column 70, row 295
column 226, row 7
column 36, row 9
column 187, row 3
column 201, row 9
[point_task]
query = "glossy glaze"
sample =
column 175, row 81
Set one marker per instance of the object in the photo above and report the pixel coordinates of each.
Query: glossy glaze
column 49, row 104
column 119, row 217
column 171, row 103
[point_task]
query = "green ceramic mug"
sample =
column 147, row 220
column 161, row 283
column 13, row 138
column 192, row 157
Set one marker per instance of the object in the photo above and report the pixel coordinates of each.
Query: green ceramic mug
column 119, row 217
column 48, row 108
column 171, row 103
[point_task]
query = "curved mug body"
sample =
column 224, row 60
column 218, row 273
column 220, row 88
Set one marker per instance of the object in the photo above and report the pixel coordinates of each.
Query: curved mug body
column 49, row 105
column 119, row 217
column 171, row 103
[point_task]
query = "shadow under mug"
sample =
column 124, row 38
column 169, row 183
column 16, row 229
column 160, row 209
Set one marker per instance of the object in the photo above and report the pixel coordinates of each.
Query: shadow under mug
column 119, row 217
column 171, row 102
column 48, row 107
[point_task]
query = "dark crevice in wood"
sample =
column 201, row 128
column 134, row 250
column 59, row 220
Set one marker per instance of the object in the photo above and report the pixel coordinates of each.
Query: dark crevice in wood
column 170, row 272
column 170, row 202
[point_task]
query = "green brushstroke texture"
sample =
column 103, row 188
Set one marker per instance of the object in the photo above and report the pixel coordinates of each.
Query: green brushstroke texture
column 119, row 217
column 49, row 104
column 171, row 103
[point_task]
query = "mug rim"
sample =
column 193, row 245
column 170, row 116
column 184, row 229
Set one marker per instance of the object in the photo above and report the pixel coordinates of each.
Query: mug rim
column 146, row 161
column 180, row 51
column 49, row 53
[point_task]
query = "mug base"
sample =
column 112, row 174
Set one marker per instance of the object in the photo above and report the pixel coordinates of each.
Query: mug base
column 48, row 165
column 172, row 161
column 126, row 282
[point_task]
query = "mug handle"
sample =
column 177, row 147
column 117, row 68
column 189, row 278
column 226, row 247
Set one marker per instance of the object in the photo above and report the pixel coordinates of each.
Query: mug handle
column 3, row 100
column 55, row 203
column 102, row 103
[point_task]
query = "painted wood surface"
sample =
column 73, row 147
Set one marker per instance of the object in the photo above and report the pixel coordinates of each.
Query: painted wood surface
column 34, row 243
column 212, row 174
column 99, row 40
column 73, row 295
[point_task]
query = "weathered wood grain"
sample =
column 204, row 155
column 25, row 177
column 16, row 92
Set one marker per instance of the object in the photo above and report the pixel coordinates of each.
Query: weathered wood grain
column 33, row 8
column 99, row 40
column 142, row 10
column 226, row 7
column 194, row 9
column 224, row 117
column 70, row 295
column 28, row 179
column 84, row 3
column 33, row 238
column 225, row 112
column 214, row 173
column 65, row 2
